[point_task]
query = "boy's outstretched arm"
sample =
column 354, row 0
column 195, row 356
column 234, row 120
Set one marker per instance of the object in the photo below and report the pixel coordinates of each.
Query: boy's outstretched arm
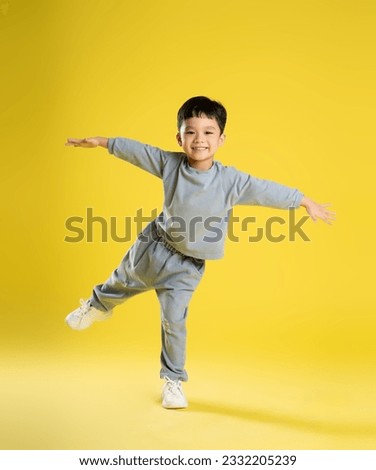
column 148, row 158
column 88, row 142
column 317, row 211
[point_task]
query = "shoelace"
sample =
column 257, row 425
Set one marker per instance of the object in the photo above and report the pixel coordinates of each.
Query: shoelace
column 84, row 308
column 173, row 386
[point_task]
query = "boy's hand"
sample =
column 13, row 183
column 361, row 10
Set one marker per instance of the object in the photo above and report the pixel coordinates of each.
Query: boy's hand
column 89, row 142
column 318, row 211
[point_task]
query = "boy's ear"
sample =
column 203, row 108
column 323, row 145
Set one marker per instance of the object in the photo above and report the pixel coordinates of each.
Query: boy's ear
column 222, row 139
column 178, row 138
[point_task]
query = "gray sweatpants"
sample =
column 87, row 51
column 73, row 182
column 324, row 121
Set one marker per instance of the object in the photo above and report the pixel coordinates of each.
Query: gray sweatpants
column 151, row 263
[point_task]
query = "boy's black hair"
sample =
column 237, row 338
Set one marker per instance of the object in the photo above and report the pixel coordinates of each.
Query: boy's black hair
column 202, row 106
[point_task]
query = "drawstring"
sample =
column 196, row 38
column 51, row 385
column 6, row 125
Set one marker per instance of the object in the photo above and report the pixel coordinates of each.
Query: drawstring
column 163, row 240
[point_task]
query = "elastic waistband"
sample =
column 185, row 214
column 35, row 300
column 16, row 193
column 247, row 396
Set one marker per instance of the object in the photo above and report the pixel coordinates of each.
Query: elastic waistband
column 163, row 240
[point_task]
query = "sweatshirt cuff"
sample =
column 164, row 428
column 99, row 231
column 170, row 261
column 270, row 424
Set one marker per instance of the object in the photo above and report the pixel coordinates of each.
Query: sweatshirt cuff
column 110, row 145
column 298, row 199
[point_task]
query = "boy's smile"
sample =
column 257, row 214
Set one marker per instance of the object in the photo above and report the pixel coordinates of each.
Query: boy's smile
column 200, row 138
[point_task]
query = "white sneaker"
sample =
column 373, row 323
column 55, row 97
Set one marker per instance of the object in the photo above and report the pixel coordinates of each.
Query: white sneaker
column 85, row 315
column 172, row 395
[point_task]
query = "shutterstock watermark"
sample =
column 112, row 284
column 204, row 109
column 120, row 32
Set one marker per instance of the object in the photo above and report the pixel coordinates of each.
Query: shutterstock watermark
column 275, row 229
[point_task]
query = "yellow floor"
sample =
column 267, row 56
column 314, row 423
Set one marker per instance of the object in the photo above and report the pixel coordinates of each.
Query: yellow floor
column 91, row 401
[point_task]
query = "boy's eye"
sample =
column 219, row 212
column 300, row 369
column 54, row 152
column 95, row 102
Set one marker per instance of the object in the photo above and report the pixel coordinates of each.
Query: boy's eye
column 192, row 132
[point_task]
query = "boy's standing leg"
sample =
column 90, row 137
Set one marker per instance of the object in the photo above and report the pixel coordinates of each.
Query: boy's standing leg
column 183, row 277
column 174, row 310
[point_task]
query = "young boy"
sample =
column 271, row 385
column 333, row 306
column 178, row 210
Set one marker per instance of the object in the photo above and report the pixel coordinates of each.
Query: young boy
column 169, row 254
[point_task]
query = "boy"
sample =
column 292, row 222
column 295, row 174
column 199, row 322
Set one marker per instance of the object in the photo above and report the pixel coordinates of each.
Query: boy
column 169, row 254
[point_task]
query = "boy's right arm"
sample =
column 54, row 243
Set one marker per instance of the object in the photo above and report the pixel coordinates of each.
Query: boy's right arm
column 149, row 158
column 90, row 142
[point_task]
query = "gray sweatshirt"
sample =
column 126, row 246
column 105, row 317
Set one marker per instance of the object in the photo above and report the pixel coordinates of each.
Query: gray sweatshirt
column 197, row 203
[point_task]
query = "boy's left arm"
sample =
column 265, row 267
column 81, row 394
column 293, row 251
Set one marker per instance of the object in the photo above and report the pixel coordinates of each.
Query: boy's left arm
column 249, row 190
column 317, row 211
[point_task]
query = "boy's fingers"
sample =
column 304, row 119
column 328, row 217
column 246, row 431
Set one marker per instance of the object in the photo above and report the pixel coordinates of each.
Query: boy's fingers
column 330, row 214
column 79, row 142
column 328, row 219
column 75, row 141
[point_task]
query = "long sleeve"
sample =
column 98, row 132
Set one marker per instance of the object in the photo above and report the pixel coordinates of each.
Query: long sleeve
column 150, row 159
column 261, row 192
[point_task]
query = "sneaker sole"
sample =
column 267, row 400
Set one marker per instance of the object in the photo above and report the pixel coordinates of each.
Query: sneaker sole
column 174, row 407
column 80, row 328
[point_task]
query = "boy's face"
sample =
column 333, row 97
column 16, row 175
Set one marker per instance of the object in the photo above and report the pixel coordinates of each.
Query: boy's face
column 200, row 138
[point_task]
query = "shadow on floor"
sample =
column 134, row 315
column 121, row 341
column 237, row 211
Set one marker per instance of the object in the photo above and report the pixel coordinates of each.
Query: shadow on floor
column 279, row 419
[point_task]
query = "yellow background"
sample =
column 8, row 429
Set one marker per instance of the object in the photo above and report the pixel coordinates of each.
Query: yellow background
column 282, row 350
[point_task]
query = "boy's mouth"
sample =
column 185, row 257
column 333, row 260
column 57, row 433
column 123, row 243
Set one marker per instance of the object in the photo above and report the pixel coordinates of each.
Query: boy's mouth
column 200, row 148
